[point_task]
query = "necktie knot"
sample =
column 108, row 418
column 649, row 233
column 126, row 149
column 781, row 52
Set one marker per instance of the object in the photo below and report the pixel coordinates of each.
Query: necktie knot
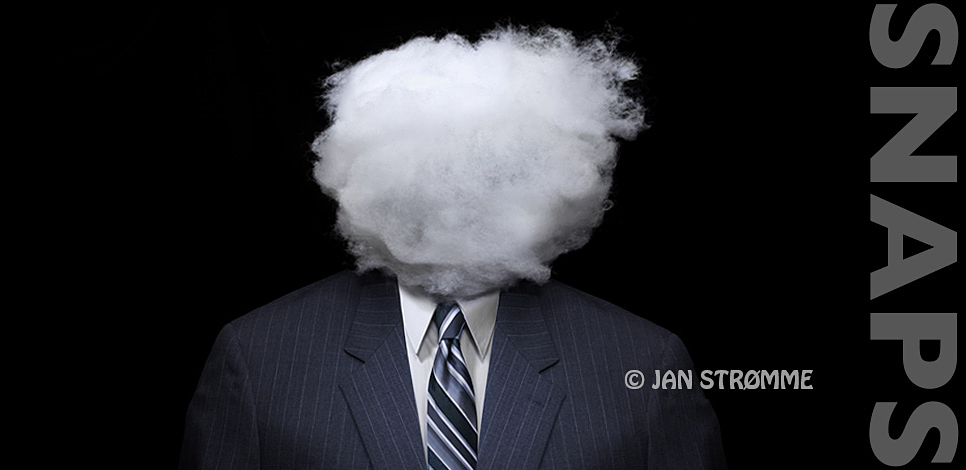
column 449, row 320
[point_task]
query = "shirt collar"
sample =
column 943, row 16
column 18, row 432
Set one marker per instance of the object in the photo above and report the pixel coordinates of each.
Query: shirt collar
column 418, row 308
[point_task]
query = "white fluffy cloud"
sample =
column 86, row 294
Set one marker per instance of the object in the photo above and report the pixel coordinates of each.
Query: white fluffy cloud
column 463, row 167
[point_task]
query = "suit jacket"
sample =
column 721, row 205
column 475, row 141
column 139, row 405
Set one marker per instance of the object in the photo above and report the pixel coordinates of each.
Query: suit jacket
column 320, row 379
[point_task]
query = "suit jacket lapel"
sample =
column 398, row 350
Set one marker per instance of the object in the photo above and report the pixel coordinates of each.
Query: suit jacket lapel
column 379, row 392
column 521, row 406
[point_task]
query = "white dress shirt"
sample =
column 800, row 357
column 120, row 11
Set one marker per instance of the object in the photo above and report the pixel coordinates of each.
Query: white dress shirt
column 422, row 340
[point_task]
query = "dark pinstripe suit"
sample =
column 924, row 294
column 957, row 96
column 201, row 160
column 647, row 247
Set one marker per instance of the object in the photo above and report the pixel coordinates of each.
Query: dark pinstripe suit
column 320, row 379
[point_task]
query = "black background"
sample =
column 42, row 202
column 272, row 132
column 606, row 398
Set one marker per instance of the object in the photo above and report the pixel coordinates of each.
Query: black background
column 740, row 220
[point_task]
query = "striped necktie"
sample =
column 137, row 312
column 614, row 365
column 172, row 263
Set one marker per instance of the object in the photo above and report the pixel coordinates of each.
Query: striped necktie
column 451, row 431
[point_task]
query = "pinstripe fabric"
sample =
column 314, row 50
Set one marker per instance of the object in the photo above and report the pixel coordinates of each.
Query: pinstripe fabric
column 320, row 379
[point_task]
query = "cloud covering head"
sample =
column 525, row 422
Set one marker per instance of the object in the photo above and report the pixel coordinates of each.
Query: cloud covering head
column 464, row 167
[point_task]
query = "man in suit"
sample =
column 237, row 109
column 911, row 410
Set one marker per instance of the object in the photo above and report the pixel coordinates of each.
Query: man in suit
column 461, row 171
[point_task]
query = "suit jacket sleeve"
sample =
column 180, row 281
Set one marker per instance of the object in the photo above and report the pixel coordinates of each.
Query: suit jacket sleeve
column 683, row 427
column 221, row 431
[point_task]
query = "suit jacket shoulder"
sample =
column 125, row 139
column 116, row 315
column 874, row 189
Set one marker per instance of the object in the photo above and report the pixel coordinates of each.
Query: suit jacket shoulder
column 576, row 309
column 329, row 301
